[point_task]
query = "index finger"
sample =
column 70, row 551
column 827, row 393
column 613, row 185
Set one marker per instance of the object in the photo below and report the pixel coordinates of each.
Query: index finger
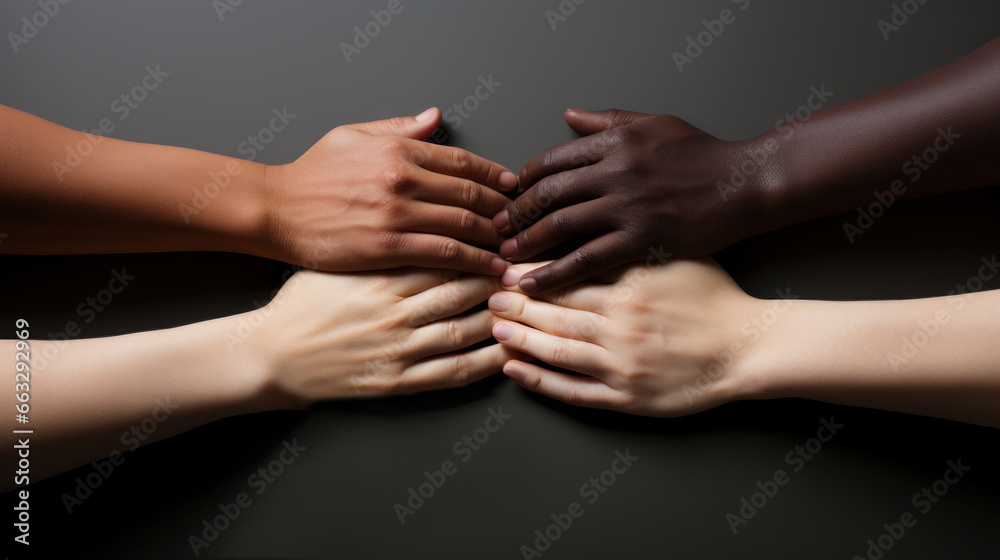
column 457, row 162
column 564, row 157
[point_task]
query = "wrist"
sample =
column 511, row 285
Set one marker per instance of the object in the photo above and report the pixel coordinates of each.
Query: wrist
column 230, row 207
column 763, row 165
column 766, row 355
column 248, row 363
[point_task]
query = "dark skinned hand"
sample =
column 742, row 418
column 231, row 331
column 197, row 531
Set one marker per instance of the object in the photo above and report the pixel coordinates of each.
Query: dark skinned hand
column 635, row 186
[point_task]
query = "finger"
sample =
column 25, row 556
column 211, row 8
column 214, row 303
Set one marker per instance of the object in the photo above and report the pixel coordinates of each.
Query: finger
column 570, row 389
column 596, row 256
column 569, row 155
column 556, row 228
column 417, row 128
column 461, row 193
column 428, row 250
column 584, row 357
column 558, row 321
column 457, row 162
column 450, row 334
column 408, row 281
column 585, row 296
column 459, row 223
column 547, row 195
column 450, row 298
column 592, row 122
column 455, row 370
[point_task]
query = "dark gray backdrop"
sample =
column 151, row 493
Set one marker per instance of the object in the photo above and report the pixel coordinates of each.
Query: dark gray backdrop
column 336, row 499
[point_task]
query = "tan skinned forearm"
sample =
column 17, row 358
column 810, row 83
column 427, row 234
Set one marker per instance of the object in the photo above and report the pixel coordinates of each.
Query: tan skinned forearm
column 63, row 191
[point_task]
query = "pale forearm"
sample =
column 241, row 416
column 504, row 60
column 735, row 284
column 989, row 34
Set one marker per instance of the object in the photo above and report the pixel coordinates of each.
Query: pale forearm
column 89, row 398
column 64, row 191
column 936, row 357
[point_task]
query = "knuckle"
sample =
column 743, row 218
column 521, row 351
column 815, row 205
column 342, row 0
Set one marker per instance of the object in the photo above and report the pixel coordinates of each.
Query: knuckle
column 584, row 260
column 558, row 354
column 571, row 395
column 560, row 321
column 461, row 369
column 462, row 161
column 395, row 178
column 471, row 196
column 451, row 295
column 392, row 146
column 449, row 249
column 391, row 242
column 456, row 334
column 466, row 222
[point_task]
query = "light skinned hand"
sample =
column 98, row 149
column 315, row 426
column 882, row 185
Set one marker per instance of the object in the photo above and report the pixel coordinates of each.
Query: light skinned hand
column 374, row 196
column 655, row 341
column 344, row 335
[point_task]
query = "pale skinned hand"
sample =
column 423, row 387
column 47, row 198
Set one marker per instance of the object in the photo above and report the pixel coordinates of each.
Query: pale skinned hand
column 655, row 342
column 344, row 335
column 374, row 196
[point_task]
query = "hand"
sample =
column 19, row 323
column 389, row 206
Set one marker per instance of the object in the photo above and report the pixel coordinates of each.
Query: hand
column 660, row 341
column 635, row 183
column 330, row 336
column 373, row 196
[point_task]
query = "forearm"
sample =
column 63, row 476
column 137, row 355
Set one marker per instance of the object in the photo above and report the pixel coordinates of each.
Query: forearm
column 89, row 398
column 64, row 191
column 933, row 134
column 936, row 357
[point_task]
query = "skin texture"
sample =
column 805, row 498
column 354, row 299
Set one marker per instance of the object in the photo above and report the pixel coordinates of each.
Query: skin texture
column 637, row 181
column 366, row 196
column 682, row 337
column 323, row 336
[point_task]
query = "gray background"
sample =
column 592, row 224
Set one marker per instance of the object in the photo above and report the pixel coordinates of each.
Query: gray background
column 336, row 499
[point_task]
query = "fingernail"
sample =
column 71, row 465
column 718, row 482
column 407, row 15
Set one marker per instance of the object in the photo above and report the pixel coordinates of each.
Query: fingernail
column 501, row 220
column 426, row 115
column 500, row 302
column 502, row 331
column 509, row 278
column 528, row 285
column 498, row 265
column 511, row 371
column 508, row 248
column 508, row 180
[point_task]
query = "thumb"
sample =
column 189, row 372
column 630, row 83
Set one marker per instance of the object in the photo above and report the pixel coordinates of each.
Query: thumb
column 592, row 122
column 418, row 128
